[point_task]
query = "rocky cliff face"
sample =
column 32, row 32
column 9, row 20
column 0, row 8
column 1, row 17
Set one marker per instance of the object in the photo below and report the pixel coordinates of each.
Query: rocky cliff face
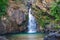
column 44, row 4
column 16, row 14
column 15, row 18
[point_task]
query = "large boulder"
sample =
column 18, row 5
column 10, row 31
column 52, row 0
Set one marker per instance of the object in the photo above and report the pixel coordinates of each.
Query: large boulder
column 53, row 36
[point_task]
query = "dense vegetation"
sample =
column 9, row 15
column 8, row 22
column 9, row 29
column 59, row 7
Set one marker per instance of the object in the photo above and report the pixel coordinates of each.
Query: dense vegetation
column 45, row 18
column 55, row 10
column 3, row 7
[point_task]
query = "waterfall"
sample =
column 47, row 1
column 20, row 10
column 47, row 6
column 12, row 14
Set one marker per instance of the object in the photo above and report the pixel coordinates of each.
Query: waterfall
column 32, row 25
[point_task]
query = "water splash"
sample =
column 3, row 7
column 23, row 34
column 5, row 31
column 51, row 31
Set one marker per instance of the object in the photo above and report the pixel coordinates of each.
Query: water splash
column 32, row 25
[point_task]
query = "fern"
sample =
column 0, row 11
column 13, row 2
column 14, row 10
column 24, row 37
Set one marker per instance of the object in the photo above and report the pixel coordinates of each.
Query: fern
column 55, row 10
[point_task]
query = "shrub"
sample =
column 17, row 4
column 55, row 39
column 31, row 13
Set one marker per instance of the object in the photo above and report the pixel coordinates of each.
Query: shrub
column 3, row 7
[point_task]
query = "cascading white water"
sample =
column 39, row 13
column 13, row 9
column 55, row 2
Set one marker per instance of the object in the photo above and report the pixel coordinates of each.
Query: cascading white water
column 32, row 25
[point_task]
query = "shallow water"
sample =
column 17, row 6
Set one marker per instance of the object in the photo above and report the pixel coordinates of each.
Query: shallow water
column 26, row 37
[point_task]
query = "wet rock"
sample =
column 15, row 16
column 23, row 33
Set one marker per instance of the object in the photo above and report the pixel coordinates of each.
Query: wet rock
column 32, row 1
column 2, row 28
column 22, row 29
column 50, row 37
column 3, row 38
column 53, row 36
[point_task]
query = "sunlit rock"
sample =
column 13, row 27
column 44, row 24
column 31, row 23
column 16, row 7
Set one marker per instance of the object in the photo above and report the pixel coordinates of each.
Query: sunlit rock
column 16, row 14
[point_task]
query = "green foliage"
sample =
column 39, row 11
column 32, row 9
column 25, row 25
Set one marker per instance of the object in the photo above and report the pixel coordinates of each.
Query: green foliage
column 55, row 10
column 40, row 17
column 3, row 7
column 57, row 27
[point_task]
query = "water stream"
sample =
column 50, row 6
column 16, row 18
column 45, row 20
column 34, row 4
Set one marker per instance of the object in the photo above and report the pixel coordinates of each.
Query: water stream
column 32, row 25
